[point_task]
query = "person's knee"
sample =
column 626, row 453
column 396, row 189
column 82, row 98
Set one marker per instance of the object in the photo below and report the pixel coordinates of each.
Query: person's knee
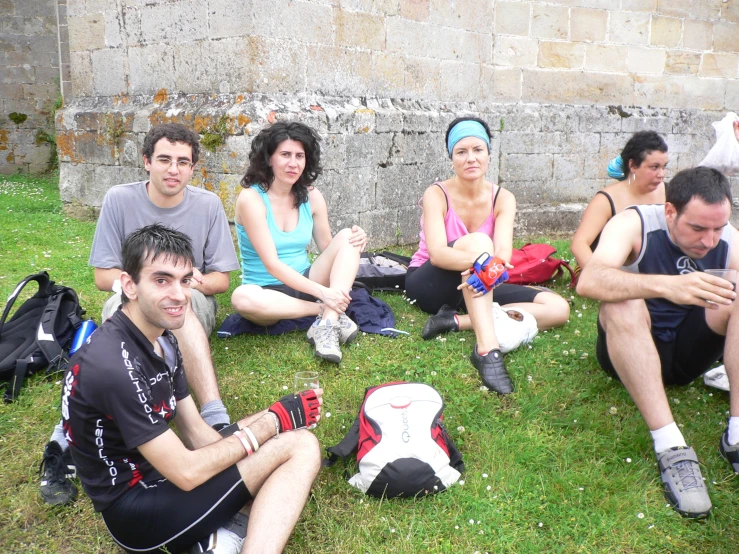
column 342, row 237
column 476, row 242
column 245, row 299
column 559, row 308
column 629, row 315
column 306, row 446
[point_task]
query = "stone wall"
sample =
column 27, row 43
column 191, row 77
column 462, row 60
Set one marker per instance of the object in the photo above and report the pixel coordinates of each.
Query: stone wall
column 563, row 83
column 29, row 83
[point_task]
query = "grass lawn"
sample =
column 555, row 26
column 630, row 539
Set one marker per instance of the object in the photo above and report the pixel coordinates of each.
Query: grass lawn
column 565, row 464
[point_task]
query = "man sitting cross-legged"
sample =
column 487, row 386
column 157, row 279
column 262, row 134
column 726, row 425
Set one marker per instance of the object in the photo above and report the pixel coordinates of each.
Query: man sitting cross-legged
column 664, row 321
column 158, row 491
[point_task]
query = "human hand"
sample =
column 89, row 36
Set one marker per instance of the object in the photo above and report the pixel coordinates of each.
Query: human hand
column 700, row 289
column 736, row 129
column 197, row 278
column 335, row 299
column 298, row 411
column 487, row 273
column 358, row 238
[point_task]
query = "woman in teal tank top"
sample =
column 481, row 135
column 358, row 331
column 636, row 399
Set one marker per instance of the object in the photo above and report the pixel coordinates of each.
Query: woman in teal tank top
column 278, row 212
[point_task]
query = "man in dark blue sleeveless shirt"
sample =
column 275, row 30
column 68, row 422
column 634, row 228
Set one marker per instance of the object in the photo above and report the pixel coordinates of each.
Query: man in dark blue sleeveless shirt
column 663, row 320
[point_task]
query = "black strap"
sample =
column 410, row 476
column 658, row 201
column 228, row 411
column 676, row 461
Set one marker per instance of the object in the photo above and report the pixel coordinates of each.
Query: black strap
column 14, row 387
column 345, row 448
column 43, row 287
column 610, row 201
column 495, row 198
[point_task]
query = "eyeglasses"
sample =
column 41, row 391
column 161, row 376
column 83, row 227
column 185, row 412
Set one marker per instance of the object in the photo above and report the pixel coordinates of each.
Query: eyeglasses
column 165, row 162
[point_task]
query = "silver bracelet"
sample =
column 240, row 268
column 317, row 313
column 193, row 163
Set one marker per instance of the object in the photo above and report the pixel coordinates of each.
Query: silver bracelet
column 277, row 424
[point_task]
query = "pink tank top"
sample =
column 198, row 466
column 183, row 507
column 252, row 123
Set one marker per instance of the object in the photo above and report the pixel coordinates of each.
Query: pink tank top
column 454, row 227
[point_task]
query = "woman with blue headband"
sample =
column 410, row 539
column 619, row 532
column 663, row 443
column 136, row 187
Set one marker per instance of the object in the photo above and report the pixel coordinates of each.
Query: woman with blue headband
column 467, row 219
column 639, row 173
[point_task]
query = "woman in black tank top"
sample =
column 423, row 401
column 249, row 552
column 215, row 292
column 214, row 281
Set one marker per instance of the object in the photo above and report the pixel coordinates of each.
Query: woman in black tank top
column 639, row 172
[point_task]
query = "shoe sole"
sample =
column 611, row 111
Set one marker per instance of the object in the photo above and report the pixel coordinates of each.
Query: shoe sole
column 329, row 357
column 57, row 500
column 690, row 515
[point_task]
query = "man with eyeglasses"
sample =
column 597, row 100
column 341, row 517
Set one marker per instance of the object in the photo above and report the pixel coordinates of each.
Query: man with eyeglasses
column 170, row 153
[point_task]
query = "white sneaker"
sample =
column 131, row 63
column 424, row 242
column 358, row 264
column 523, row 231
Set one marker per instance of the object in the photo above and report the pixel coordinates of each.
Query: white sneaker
column 717, row 378
column 325, row 337
column 347, row 329
column 513, row 327
column 228, row 539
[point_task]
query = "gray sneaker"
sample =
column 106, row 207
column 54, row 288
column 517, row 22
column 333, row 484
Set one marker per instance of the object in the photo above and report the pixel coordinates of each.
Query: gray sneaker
column 325, row 337
column 683, row 482
column 347, row 330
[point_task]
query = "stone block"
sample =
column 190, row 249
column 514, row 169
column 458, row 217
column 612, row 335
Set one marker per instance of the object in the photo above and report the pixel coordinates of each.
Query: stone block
column 581, row 143
column 273, row 66
column 611, row 58
column 423, row 77
column 629, row 28
column 299, row 20
column 681, row 62
column 525, row 167
column 501, row 84
column 188, row 22
column 349, row 191
column 732, row 94
column 665, row 31
column 11, row 91
column 417, row 10
column 730, row 12
column 334, row 71
column 512, row 18
column 530, row 143
column 381, row 226
column 113, row 37
column 108, row 72
column 364, row 120
column 549, row 21
column 80, row 65
column 646, row 60
column 72, row 179
column 587, row 25
column 86, row 32
column 697, row 35
column 574, row 87
column 231, row 19
column 568, row 167
column 460, row 81
column 100, row 6
column 679, row 91
column 725, row 37
column 132, row 34
column 421, row 39
column 377, row 7
column 388, row 121
column 559, row 119
column 104, row 177
column 423, row 148
column 465, row 14
column 151, row 69
column 598, row 119
column 515, row 51
column 703, row 9
column 368, row 150
column 561, row 55
column 661, row 125
column 397, row 186
column 201, row 67
column 409, row 225
column 38, row 8
column 361, row 30
column 388, row 74
column 420, row 121
column 523, row 120
column 333, row 152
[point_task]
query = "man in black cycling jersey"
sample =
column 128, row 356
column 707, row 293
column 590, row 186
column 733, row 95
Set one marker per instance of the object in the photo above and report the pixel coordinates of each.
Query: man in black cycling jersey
column 157, row 490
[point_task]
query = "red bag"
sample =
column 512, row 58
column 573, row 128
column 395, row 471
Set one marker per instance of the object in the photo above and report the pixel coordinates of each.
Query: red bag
column 533, row 265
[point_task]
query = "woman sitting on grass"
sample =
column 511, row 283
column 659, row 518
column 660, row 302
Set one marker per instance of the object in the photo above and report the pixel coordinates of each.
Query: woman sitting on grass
column 277, row 214
column 459, row 217
column 639, row 172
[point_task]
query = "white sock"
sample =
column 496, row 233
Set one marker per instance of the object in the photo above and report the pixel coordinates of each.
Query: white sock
column 667, row 437
column 733, row 430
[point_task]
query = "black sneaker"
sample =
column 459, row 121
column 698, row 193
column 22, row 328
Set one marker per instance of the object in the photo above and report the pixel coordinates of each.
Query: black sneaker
column 56, row 468
column 442, row 322
column 730, row 452
column 492, row 371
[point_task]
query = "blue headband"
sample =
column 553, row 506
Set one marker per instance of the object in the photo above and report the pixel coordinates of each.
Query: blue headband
column 464, row 129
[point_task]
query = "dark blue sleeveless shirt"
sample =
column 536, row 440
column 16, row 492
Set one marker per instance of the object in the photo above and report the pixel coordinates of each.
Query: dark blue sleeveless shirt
column 659, row 255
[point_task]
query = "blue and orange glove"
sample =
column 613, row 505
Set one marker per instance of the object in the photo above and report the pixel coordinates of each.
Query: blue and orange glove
column 297, row 411
column 487, row 273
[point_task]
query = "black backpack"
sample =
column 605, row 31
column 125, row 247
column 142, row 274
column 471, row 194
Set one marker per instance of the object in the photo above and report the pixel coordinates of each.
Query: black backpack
column 383, row 271
column 39, row 334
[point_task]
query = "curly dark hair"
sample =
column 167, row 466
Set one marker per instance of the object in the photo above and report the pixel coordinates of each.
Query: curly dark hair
column 466, row 118
column 640, row 145
column 265, row 144
column 173, row 132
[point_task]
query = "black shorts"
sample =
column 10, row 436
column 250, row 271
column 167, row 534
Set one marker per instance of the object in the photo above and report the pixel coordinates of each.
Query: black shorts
column 158, row 515
column 695, row 349
column 432, row 287
column 284, row 289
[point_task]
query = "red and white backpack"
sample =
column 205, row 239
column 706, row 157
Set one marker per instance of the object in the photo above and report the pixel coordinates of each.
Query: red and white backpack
column 403, row 449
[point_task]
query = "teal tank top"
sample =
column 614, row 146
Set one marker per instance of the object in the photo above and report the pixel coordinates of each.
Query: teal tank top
column 292, row 247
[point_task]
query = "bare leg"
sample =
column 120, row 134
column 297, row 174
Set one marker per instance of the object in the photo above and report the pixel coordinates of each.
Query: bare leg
column 479, row 308
column 279, row 477
column 266, row 307
column 549, row 309
column 201, row 375
column 336, row 267
column 635, row 358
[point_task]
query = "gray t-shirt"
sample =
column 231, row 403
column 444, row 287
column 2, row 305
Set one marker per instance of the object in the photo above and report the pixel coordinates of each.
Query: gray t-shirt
column 200, row 216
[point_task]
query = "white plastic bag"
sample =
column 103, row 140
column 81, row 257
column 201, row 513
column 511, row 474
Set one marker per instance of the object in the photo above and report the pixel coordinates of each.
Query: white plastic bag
column 513, row 327
column 724, row 155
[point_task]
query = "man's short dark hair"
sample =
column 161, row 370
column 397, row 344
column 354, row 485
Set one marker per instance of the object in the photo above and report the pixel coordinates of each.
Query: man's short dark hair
column 265, row 144
column 173, row 132
column 151, row 242
column 706, row 183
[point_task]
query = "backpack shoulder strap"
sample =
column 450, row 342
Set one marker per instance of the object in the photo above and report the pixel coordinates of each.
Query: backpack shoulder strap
column 46, row 338
column 345, row 448
column 43, row 287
